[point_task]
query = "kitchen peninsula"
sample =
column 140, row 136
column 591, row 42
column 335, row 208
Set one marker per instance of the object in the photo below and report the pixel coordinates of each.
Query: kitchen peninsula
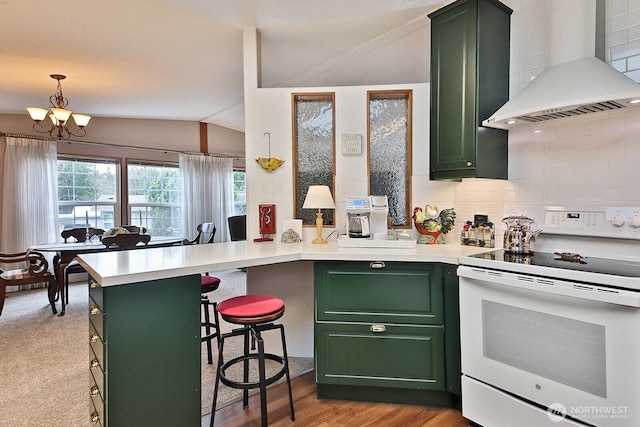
column 145, row 332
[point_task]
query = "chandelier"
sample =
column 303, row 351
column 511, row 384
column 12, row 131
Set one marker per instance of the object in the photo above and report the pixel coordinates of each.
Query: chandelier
column 59, row 116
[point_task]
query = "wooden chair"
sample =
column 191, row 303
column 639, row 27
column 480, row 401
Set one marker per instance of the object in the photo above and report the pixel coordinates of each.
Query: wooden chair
column 80, row 234
column 206, row 233
column 129, row 240
column 36, row 270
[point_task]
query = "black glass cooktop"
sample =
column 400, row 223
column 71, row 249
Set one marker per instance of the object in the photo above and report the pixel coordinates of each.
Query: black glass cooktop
column 567, row 261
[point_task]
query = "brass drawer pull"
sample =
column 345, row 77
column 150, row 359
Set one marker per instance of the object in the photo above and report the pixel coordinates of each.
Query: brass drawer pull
column 377, row 264
column 95, row 310
column 378, row 329
column 94, row 284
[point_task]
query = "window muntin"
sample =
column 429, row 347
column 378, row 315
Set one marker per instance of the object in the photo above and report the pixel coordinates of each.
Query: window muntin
column 154, row 199
column 87, row 189
column 313, row 150
column 239, row 192
column 389, row 148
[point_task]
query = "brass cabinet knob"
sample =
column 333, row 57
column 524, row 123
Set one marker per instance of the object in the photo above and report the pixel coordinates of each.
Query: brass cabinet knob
column 95, row 418
column 93, row 284
column 95, row 310
column 94, row 364
column 469, row 164
column 94, row 337
column 94, row 390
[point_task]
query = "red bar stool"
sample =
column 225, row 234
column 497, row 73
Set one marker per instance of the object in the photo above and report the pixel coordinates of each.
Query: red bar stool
column 211, row 329
column 255, row 313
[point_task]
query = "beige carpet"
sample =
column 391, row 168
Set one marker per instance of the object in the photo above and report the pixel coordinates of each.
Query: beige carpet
column 44, row 379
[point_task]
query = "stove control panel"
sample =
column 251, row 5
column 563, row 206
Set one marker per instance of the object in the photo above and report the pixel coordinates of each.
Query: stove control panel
column 613, row 222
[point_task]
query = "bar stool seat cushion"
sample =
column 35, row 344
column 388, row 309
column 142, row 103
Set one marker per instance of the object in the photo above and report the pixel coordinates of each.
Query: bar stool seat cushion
column 209, row 283
column 250, row 306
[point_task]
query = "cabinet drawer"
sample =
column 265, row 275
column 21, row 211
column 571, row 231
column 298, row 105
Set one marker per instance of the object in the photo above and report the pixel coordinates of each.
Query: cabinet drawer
column 95, row 391
column 96, row 293
column 97, row 412
column 408, row 293
column 97, row 371
column 402, row 356
column 96, row 317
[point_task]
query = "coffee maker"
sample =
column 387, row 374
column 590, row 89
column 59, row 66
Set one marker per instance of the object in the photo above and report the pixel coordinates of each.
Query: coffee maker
column 367, row 217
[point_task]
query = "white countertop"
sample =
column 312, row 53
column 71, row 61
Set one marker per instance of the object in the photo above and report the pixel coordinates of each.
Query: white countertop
column 116, row 268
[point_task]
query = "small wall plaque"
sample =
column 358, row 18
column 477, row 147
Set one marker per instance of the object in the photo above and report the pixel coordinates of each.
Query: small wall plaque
column 351, row 144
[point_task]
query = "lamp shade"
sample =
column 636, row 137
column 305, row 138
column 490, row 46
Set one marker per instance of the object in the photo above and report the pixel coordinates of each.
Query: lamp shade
column 318, row 197
column 81, row 119
column 37, row 114
column 61, row 114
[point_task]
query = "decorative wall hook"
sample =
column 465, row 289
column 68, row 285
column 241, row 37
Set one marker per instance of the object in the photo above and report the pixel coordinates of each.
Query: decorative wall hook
column 269, row 163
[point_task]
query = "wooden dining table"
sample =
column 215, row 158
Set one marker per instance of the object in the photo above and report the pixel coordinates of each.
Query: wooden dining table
column 67, row 252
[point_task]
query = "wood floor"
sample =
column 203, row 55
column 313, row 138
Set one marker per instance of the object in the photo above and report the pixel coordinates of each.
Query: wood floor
column 309, row 411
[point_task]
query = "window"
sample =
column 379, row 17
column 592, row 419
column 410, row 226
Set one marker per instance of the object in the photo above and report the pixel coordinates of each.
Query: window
column 239, row 192
column 154, row 197
column 313, row 150
column 87, row 192
column 389, row 150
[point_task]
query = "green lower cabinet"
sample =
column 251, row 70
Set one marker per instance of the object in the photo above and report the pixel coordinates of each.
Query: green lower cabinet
column 380, row 333
column 145, row 353
column 400, row 356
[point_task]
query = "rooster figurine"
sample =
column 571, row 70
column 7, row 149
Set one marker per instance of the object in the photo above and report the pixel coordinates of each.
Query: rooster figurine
column 431, row 223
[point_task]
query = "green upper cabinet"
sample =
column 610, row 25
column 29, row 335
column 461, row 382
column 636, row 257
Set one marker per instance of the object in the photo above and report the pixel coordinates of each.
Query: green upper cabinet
column 469, row 82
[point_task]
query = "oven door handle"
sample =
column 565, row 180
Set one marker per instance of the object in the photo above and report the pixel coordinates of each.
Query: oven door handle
column 552, row 286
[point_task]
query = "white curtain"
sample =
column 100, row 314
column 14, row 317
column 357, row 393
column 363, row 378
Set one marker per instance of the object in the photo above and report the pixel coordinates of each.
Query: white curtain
column 29, row 195
column 207, row 193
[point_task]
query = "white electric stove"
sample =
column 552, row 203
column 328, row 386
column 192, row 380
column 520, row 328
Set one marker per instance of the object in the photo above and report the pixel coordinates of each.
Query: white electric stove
column 553, row 338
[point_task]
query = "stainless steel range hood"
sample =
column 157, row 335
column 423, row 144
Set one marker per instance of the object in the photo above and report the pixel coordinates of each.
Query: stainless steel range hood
column 575, row 82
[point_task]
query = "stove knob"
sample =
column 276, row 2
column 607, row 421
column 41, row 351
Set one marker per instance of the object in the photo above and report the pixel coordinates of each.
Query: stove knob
column 618, row 220
column 634, row 221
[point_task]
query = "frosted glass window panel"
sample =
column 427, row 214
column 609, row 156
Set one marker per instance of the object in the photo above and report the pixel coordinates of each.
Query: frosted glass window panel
column 389, row 143
column 314, row 150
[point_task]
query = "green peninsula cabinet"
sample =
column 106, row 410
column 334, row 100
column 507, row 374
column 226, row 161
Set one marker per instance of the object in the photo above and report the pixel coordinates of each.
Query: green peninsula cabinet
column 469, row 82
column 144, row 353
column 381, row 332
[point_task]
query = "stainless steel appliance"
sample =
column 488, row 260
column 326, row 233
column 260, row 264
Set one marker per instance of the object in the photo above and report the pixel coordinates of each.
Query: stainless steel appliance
column 553, row 338
column 519, row 236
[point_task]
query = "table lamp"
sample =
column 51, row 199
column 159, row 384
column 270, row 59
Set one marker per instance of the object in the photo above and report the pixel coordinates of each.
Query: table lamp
column 319, row 197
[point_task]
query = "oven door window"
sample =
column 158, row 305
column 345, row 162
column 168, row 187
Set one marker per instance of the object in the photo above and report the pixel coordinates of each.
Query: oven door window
column 531, row 341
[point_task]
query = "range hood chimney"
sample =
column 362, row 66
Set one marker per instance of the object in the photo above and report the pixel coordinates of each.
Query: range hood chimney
column 574, row 82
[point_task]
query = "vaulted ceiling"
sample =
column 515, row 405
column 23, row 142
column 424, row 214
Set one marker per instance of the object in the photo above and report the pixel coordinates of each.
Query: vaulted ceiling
column 182, row 59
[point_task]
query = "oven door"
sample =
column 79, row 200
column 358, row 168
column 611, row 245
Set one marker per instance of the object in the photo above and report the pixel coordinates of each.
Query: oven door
column 555, row 344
